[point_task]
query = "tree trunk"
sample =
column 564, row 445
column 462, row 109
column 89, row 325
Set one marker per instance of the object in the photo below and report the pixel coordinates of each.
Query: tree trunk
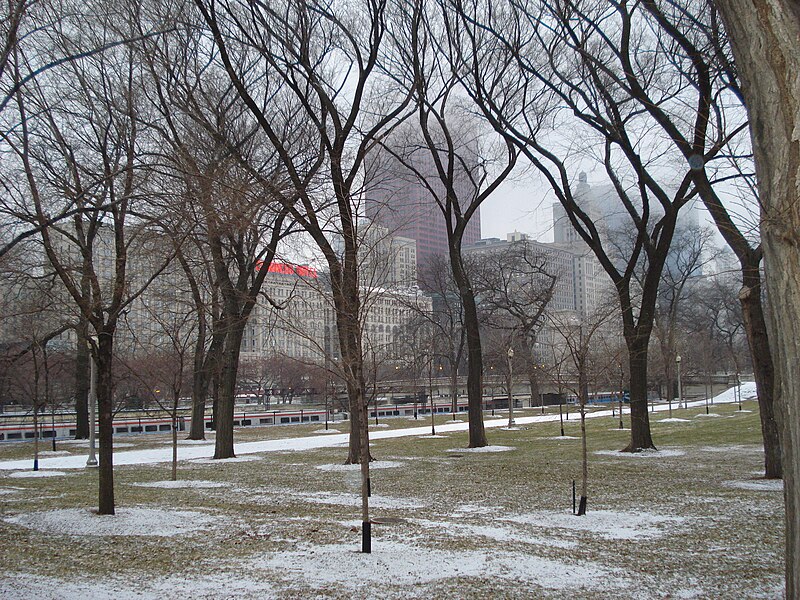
column 584, row 460
column 477, row 433
column 757, row 338
column 105, row 415
column 640, row 418
column 764, row 35
column 348, row 326
column 82, row 384
column 454, row 387
column 197, row 428
column 225, row 404
column 175, row 441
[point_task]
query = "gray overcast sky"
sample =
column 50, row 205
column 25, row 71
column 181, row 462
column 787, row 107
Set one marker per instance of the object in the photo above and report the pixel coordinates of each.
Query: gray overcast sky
column 520, row 205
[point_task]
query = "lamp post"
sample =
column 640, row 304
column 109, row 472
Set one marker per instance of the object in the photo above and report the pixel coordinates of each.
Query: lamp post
column 680, row 387
column 510, row 387
column 92, row 460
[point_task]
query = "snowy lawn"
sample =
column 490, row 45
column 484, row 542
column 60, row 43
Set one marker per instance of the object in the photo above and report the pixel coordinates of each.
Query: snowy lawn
column 689, row 520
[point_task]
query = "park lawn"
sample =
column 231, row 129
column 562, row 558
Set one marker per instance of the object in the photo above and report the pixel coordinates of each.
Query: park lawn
column 692, row 520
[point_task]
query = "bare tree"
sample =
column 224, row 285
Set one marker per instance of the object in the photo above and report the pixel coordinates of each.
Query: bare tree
column 696, row 29
column 162, row 358
column 772, row 95
column 321, row 61
column 445, row 322
column 691, row 250
column 516, row 285
column 580, row 336
column 454, row 158
column 77, row 145
column 232, row 178
column 581, row 67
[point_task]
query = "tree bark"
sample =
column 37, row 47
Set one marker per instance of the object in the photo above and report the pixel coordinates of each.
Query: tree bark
column 105, row 415
column 223, row 413
column 757, row 338
column 764, row 35
column 477, row 433
column 584, row 458
column 640, row 418
column 82, row 384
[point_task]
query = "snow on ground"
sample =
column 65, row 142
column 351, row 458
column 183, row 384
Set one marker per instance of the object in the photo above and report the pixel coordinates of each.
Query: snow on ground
column 11, row 490
column 562, row 437
column 734, row 448
column 127, row 521
column 378, row 464
column 181, row 484
column 673, row 420
column 729, row 396
column 473, row 509
column 371, row 425
column 432, row 437
column 484, row 449
column 39, row 473
column 669, row 453
column 608, row 524
column 54, row 453
column 761, row 485
column 707, row 415
column 219, row 461
column 345, row 499
column 326, row 431
column 20, row 586
column 405, row 564
column 205, row 451
column 499, row 534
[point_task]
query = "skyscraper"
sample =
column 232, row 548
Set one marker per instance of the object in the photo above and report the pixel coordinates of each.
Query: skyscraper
column 403, row 198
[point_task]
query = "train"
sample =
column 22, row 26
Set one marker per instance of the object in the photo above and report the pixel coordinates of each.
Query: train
column 20, row 427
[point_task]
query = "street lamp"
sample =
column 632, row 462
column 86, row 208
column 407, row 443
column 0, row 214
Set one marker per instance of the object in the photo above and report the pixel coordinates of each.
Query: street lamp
column 680, row 387
column 510, row 387
column 92, row 460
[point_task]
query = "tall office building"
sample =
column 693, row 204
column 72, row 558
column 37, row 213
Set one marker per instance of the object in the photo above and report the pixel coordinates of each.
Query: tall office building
column 403, row 200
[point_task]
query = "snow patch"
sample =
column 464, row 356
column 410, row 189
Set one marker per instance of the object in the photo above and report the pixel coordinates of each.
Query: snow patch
column 40, row 473
column 499, row 534
column 218, row 461
column 403, row 564
column 609, row 524
column 181, row 484
column 378, row 464
column 484, row 449
column 326, row 431
column 761, row 485
column 20, row 586
column 707, row 415
column 345, row 499
column 432, row 437
column 670, row 453
column 673, row 420
column 127, row 521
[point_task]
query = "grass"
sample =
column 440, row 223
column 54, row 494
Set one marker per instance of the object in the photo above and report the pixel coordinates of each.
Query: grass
column 724, row 541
